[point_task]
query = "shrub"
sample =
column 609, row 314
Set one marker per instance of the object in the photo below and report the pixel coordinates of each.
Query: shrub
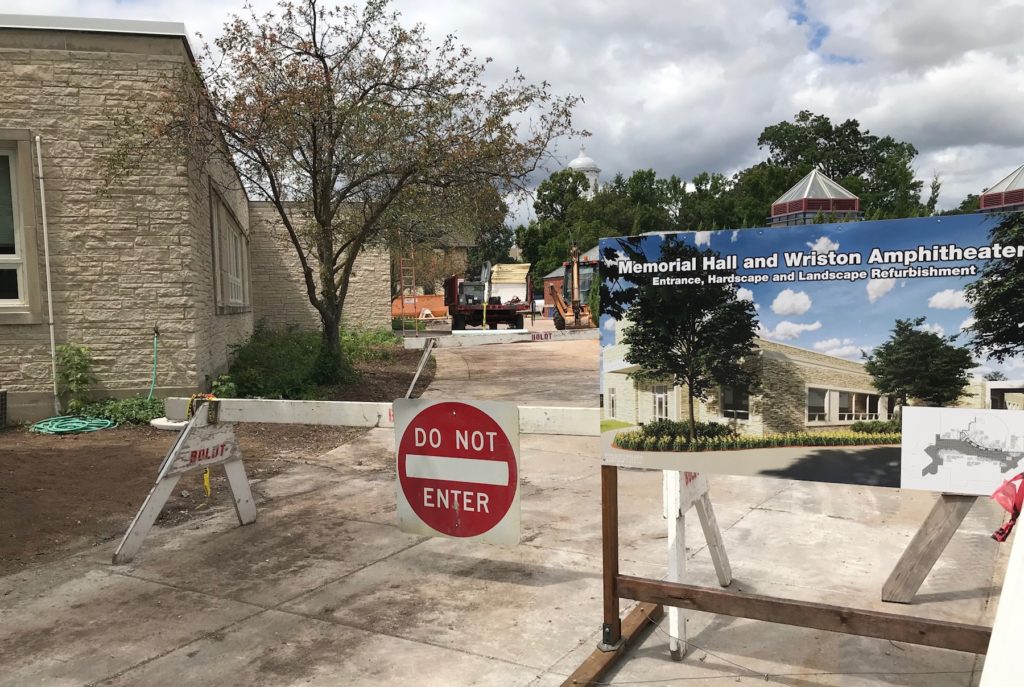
column 125, row 411
column 639, row 441
column 409, row 323
column 282, row 364
column 224, row 387
column 74, row 375
column 660, row 428
column 876, row 426
column 359, row 345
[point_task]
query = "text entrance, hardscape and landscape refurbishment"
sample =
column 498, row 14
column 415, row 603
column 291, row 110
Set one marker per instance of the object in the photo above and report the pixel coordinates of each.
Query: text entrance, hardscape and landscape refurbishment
column 860, row 352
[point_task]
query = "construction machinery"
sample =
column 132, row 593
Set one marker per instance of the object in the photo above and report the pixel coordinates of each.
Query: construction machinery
column 499, row 296
column 571, row 309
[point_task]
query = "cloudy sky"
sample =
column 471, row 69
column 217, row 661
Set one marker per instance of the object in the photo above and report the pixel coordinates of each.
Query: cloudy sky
column 687, row 86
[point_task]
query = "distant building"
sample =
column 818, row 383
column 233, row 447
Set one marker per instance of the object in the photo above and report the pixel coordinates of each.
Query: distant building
column 815, row 195
column 584, row 163
column 556, row 277
column 1006, row 195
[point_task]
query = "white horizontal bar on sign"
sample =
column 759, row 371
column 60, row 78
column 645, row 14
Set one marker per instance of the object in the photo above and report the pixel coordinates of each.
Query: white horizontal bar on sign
column 457, row 469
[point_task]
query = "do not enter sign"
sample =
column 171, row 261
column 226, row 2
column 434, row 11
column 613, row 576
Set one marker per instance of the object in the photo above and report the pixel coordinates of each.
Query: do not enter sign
column 458, row 469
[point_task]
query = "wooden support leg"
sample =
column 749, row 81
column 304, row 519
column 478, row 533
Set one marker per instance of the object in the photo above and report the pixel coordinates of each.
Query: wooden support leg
column 675, row 519
column 245, row 507
column 611, row 634
column 925, row 548
column 144, row 519
column 713, row 536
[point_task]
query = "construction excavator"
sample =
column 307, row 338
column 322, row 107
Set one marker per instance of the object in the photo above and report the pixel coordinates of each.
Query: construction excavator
column 571, row 309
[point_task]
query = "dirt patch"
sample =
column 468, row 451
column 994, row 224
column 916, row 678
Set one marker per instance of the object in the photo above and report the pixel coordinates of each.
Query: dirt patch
column 71, row 492
column 382, row 381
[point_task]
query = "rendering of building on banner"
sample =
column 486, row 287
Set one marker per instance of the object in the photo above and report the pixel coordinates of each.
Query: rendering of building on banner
column 806, row 308
column 812, row 197
column 1005, row 195
column 182, row 249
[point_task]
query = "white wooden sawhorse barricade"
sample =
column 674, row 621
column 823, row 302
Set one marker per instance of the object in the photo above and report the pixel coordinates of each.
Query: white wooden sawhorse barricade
column 202, row 443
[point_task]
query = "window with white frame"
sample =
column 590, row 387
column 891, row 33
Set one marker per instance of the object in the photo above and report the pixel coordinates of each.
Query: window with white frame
column 735, row 402
column 231, row 247
column 611, row 402
column 20, row 292
column 12, row 252
column 660, row 401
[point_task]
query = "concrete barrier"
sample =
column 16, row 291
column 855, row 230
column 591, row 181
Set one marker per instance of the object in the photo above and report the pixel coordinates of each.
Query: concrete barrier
column 532, row 419
column 500, row 336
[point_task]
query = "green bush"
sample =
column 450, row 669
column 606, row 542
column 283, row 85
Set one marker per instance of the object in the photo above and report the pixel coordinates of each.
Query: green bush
column 282, row 364
column 661, row 428
column 638, row 440
column 410, row 323
column 876, row 426
column 224, row 387
column 74, row 375
column 125, row 411
column 358, row 345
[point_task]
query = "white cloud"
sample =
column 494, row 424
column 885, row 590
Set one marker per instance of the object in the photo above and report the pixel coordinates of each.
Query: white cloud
column 879, row 287
column 744, row 294
column 702, row 238
column 966, row 324
column 891, row 65
column 949, row 300
column 609, row 324
column 790, row 302
column 823, row 245
column 735, row 235
column 841, row 348
column 787, row 331
column 932, row 327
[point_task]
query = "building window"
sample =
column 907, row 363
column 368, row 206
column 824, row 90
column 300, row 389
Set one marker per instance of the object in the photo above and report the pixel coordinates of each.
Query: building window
column 231, row 256
column 856, row 405
column 19, row 277
column 12, row 268
column 611, row 402
column 816, row 410
column 660, row 402
column 736, row 402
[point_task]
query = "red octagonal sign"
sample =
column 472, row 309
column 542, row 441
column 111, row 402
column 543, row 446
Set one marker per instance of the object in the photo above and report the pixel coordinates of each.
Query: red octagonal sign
column 458, row 469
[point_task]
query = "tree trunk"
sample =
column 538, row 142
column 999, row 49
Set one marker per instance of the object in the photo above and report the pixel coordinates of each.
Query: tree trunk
column 330, row 366
column 693, row 418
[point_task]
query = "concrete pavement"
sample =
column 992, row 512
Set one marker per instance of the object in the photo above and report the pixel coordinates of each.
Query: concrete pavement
column 324, row 590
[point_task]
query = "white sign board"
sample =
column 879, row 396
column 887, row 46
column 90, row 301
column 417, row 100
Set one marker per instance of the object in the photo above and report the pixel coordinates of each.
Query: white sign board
column 199, row 445
column 961, row 450
column 458, row 469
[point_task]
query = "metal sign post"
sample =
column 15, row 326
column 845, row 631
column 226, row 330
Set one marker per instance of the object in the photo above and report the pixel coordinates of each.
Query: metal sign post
column 201, row 444
column 458, row 469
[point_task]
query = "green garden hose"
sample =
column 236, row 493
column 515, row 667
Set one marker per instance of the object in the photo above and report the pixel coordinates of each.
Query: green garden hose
column 71, row 424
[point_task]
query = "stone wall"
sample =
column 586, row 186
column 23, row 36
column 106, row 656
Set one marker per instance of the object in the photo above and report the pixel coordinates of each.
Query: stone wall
column 123, row 263
column 279, row 291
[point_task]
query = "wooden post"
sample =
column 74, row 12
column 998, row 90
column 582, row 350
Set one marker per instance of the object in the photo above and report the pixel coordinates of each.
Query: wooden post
column 925, row 548
column 611, row 634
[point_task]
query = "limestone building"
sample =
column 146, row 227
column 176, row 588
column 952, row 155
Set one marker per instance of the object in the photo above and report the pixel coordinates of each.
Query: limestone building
column 177, row 247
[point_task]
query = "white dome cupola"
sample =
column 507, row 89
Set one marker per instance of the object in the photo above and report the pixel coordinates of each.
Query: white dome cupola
column 586, row 164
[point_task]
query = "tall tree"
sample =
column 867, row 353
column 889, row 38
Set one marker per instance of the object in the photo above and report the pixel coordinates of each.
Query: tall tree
column 697, row 336
column 998, row 297
column 878, row 169
column 368, row 125
column 920, row 365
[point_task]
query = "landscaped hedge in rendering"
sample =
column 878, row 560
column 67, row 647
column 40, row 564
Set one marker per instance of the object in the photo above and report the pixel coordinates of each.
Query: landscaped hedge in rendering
column 637, row 440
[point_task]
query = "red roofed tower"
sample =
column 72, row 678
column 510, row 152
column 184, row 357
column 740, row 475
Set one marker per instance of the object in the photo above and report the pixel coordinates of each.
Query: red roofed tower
column 813, row 195
column 1006, row 195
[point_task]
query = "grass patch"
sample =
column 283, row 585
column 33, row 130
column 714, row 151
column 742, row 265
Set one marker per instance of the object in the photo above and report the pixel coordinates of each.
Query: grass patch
column 614, row 424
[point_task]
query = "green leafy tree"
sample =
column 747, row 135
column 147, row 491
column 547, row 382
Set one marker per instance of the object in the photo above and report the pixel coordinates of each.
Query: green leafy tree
column 995, row 376
column 697, row 337
column 493, row 245
column 998, row 297
column 920, row 365
column 366, row 125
